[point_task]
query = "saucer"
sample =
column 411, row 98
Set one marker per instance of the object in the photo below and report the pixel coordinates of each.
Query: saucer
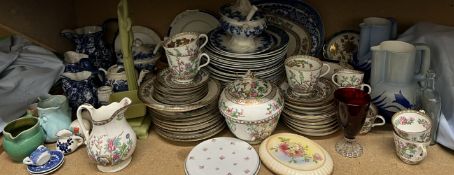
column 146, row 95
column 219, row 39
column 342, row 46
column 193, row 21
column 53, row 164
column 322, row 92
column 165, row 77
column 222, row 155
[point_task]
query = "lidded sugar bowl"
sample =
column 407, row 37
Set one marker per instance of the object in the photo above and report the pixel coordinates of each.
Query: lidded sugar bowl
column 251, row 107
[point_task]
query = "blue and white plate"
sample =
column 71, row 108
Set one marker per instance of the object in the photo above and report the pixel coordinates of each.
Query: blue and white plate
column 300, row 13
column 53, row 164
column 219, row 39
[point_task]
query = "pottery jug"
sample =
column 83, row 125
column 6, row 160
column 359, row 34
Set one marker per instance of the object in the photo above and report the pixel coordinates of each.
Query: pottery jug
column 68, row 142
column 89, row 40
column 54, row 115
column 374, row 30
column 21, row 137
column 79, row 88
column 111, row 141
column 116, row 77
column 396, row 68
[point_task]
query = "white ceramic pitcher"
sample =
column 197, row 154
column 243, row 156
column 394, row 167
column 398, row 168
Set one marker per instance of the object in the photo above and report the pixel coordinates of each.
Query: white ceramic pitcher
column 111, row 141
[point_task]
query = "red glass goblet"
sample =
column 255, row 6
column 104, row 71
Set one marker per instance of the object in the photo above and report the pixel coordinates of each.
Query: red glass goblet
column 353, row 106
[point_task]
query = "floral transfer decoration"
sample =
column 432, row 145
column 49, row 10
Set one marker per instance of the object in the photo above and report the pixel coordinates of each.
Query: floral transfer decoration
column 232, row 112
column 295, row 153
column 249, row 88
column 275, row 106
column 116, row 149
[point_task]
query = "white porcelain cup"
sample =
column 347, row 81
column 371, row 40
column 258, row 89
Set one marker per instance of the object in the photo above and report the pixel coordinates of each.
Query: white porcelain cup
column 372, row 116
column 38, row 157
column 350, row 78
column 184, row 44
column 303, row 72
column 412, row 125
column 184, row 68
column 410, row 152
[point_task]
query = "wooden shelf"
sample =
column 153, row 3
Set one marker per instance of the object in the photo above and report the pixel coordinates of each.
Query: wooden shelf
column 155, row 155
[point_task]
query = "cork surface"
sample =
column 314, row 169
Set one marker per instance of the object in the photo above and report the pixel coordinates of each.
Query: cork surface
column 158, row 156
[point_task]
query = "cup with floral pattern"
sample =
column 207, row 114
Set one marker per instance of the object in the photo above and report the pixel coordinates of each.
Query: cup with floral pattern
column 372, row 115
column 185, row 68
column 350, row 78
column 410, row 152
column 412, row 125
column 185, row 44
column 303, row 72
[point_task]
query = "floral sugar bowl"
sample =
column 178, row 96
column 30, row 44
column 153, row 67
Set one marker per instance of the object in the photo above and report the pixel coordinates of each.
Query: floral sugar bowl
column 251, row 107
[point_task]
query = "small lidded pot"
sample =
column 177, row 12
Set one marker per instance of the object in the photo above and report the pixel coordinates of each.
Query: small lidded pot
column 251, row 107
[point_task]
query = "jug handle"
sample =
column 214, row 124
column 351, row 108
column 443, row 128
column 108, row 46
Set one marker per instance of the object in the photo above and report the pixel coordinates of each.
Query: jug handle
column 89, row 108
column 425, row 60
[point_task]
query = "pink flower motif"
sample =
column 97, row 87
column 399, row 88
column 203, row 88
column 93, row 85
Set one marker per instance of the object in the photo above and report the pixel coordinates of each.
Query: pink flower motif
column 254, row 94
column 222, row 157
column 115, row 156
column 111, row 146
column 253, row 85
column 317, row 157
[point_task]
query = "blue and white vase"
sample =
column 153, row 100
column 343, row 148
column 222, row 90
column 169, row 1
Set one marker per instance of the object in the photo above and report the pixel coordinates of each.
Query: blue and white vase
column 88, row 40
column 79, row 88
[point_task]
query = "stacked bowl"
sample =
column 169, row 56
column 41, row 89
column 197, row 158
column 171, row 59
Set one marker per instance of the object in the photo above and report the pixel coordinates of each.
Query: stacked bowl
column 234, row 49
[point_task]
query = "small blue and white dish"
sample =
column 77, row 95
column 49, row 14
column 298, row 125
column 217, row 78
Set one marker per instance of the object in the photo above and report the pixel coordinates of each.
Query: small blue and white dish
column 53, row 164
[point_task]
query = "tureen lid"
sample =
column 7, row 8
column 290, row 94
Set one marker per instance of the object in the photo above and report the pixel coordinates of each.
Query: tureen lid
column 287, row 153
column 250, row 89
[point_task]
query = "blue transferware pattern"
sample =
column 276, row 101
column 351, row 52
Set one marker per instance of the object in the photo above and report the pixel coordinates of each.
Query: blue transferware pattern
column 37, row 153
column 299, row 12
column 89, row 40
column 227, row 11
column 219, row 39
column 387, row 108
column 118, row 85
column 243, row 30
column 83, row 65
column 55, row 161
column 79, row 90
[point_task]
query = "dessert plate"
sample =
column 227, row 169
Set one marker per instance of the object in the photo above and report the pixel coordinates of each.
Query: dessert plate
column 193, row 21
column 144, row 34
column 222, row 155
column 342, row 46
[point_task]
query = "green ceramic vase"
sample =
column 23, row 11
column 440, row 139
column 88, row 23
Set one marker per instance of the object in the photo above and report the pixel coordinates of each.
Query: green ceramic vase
column 21, row 137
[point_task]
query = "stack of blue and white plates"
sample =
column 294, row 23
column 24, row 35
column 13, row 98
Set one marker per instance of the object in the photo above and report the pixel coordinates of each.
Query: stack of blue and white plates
column 267, row 61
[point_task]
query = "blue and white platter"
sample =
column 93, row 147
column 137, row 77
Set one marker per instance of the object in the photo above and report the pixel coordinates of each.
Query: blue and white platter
column 55, row 162
column 295, row 16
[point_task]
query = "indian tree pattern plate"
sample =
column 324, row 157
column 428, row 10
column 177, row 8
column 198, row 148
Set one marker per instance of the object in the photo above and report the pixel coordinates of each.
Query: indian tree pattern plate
column 193, row 21
column 292, row 154
column 222, row 155
column 299, row 13
column 220, row 39
column 342, row 46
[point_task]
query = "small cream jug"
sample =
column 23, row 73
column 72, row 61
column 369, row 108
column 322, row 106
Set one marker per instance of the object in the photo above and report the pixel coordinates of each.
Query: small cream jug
column 111, row 141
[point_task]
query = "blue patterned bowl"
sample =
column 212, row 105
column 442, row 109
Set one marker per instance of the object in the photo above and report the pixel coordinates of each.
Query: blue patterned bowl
column 235, row 24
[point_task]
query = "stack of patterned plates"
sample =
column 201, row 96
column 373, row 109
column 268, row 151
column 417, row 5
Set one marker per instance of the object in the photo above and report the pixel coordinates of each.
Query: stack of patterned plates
column 314, row 115
column 267, row 61
column 195, row 119
column 222, row 155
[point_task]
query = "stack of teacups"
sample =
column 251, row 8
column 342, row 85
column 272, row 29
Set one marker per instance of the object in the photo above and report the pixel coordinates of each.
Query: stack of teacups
column 184, row 55
column 350, row 78
column 411, row 135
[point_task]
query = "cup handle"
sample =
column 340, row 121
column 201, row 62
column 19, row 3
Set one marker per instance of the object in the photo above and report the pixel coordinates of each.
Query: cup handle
column 208, row 60
column 327, row 70
column 27, row 161
column 381, row 123
column 204, row 42
column 333, row 79
column 369, row 89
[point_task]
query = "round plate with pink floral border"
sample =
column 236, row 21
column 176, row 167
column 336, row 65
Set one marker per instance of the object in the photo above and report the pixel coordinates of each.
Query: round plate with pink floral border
column 293, row 154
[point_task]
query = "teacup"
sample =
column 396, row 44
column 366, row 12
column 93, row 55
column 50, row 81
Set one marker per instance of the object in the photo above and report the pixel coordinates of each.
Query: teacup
column 104, row 93
column 408, row 151
column 303, row 73
column 38, row 157
column 184, row 44
column 372, row 115
column 185, row 68
column 412, row 125
column 350, row 78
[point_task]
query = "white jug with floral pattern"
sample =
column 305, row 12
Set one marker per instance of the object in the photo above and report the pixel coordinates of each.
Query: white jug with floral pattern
column 111, row 141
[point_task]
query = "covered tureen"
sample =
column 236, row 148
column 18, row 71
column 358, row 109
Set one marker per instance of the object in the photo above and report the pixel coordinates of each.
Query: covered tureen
column 251, row 107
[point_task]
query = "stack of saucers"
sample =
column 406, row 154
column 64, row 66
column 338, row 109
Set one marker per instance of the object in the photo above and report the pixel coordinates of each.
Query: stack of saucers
column 266, row 61
column 314, row 115
column 195, row 119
